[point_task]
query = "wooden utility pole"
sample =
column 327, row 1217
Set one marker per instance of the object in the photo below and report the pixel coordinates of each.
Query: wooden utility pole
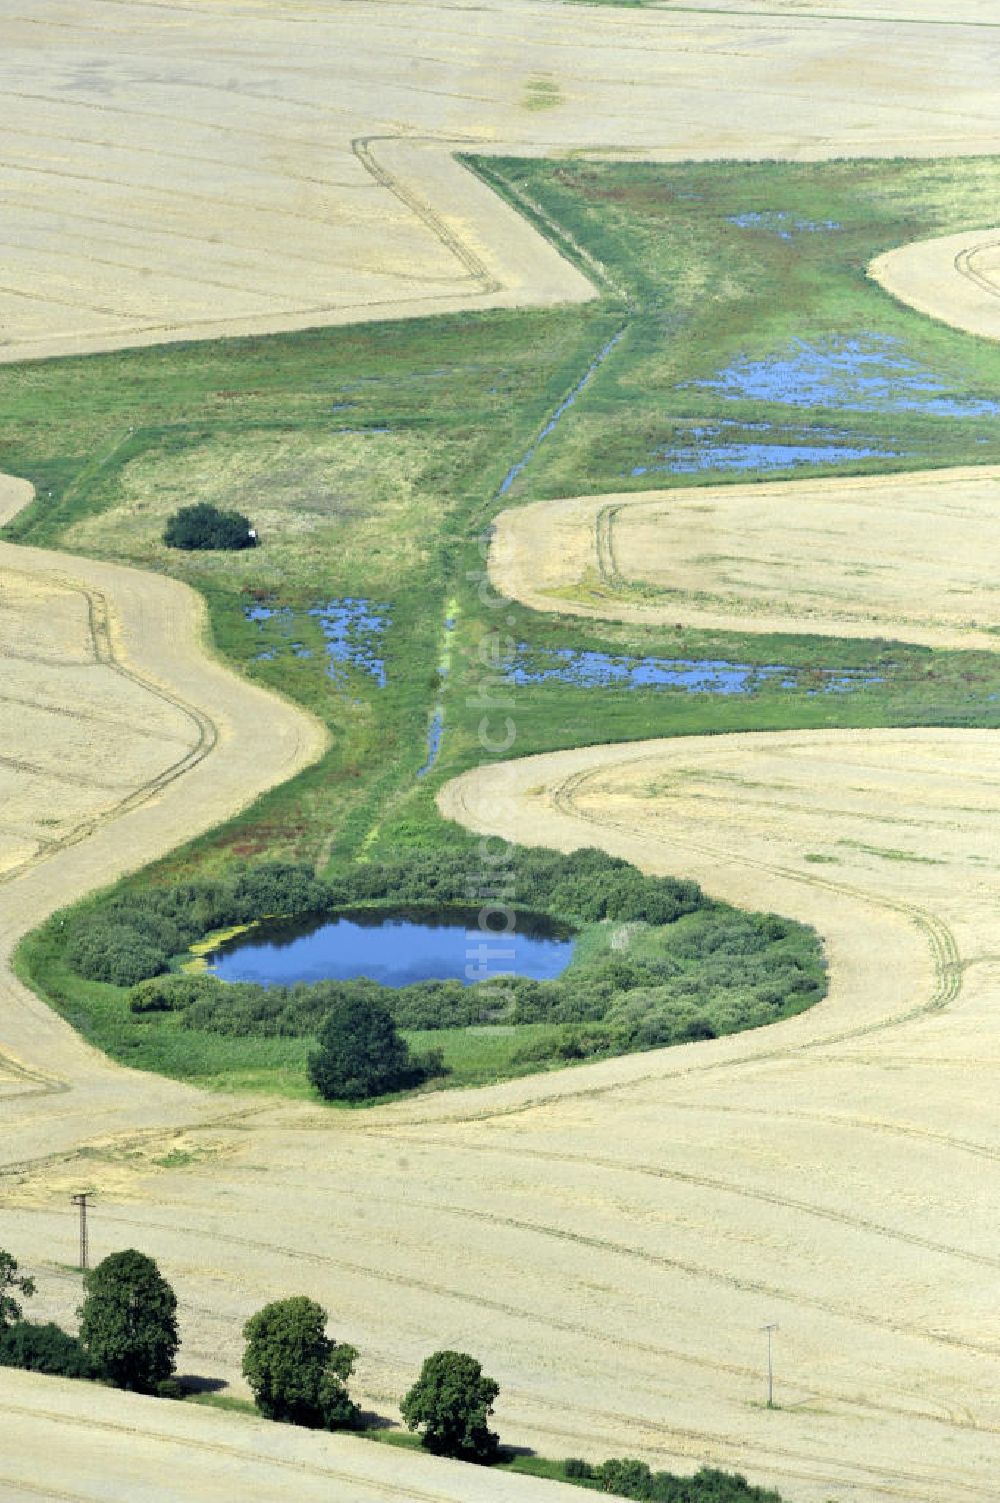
column 770, row 1329
column 81, row 1201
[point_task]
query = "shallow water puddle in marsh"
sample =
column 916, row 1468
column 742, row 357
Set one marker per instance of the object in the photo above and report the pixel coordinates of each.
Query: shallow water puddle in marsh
column 593, row 670
column 781, row 223
column 865, row 373
column 352, row 629
column 737, row 447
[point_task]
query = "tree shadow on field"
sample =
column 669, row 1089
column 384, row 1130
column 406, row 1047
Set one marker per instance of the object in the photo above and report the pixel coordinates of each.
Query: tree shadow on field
column 192, row 1383
column 369, row 1420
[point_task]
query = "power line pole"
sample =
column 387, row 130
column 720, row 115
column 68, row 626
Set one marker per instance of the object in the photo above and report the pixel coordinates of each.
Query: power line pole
column 770, row 1329
column 81, row 1201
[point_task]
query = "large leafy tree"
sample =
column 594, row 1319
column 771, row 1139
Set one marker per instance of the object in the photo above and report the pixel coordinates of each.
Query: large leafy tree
column 360, row 1053
column 128, row 1321
column 12, row 1281
column 296, row 1372
column 451, row 1402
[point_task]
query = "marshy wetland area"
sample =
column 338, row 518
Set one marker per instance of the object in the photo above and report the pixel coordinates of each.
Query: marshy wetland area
column 608, row 705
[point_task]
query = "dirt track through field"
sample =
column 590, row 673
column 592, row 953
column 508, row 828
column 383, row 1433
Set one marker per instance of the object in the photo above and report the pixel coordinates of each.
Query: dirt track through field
column 609, row 1240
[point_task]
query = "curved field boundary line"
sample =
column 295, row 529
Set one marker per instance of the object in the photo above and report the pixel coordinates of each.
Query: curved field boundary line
column 231, row 1452
column 940, row 279
column 167, row 1451
column 596, row 1080
column 565, row 556
column 941, row 942
column 474, row 265
column 149, row 631
column 633, row 1074
column 964, row 265
column 524, row 269
column 206, row 732
column 604, row 546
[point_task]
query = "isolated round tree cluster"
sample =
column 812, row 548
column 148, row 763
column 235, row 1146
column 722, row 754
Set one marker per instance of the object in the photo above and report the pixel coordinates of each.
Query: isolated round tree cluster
column 204, row 526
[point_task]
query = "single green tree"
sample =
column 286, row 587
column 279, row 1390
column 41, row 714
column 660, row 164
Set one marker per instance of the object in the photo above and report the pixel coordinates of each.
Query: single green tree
column 128, row 1321
column 360, row 1053
column 204, row 526
column 296, row 1372
column 10, row 1280
column 451, row 1401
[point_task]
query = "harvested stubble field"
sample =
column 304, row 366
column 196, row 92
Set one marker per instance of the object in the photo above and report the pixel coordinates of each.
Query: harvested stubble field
column 116, row 1447
column 608, row 1240
column 955, row 278
column 859, row 557
column 179, row 171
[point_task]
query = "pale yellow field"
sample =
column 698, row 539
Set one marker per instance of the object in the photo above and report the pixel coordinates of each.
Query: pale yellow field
column 90, row 1445
column 912, row 557
column 120, row 737
column 607, row 1240
column 181, row 170
column 955, row 278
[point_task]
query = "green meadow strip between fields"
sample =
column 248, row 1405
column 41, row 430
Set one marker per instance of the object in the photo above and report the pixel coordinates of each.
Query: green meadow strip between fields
column 373, row 458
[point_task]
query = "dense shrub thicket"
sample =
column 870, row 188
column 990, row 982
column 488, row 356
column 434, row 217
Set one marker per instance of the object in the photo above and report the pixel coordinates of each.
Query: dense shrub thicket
column 581, row 888
column 204, row 526
column 132, row 936
column 44, row 1348
column 713, row 972
column 687, row 968
column 628, row 1478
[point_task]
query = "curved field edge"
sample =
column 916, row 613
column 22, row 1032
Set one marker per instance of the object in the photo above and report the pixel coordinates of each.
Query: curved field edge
column 951, row 278
column 856, row 558
column 154, row 635
column 491, row 257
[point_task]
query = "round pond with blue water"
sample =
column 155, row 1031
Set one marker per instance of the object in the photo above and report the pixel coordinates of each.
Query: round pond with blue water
column 394, row 949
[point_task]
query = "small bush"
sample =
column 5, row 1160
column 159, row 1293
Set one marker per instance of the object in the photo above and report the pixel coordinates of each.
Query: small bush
column 165, row 993
column 203, row 526
column 627, row 1478
column 170, row 1388
column 577, row 1470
